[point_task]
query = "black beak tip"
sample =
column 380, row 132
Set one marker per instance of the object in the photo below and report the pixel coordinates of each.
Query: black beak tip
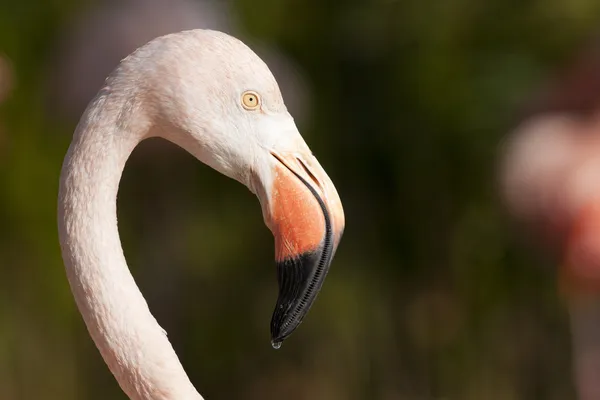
column 300, row 279
column 281, row 330
column 278, row 336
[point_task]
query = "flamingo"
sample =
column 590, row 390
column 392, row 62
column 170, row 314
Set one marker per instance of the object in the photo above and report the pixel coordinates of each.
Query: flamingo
column 91, row 45
column 210, row 94
column 550, row 182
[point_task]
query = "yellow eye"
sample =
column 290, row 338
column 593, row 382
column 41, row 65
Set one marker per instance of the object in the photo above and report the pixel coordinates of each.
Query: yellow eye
column 250, row 100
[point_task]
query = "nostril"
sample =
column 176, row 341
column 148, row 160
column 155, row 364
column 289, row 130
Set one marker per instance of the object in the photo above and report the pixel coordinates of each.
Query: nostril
column 310, row 174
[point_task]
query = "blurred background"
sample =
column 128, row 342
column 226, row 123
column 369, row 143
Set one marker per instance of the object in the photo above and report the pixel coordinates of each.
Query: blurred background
column 433, row 293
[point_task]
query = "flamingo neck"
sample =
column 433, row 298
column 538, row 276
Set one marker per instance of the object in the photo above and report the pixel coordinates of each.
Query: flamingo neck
column 132, row 343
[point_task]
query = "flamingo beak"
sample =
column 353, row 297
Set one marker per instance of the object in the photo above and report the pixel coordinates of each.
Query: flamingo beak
column 305, row 215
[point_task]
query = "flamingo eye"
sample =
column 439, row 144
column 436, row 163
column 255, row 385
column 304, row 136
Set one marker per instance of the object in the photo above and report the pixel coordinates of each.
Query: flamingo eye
column 250, row 100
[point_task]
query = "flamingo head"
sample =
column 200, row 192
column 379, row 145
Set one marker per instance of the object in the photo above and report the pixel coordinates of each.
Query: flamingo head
column 225, row 107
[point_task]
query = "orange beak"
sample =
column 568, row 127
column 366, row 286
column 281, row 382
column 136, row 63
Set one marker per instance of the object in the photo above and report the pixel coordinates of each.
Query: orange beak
column 305, row 215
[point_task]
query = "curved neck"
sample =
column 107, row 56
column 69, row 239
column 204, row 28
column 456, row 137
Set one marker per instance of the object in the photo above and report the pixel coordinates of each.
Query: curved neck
column 133, row 345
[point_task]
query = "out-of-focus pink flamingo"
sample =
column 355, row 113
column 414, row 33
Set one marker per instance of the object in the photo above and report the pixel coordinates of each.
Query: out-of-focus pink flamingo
column 550, row 181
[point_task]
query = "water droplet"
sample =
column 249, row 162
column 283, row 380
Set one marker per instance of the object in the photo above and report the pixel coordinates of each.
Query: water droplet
column 276, row 345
